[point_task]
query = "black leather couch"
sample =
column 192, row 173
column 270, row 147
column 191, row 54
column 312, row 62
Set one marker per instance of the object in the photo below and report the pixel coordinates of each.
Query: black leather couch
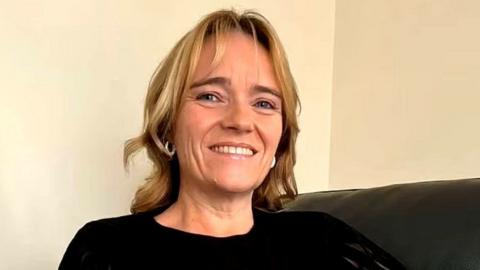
column 425, row 225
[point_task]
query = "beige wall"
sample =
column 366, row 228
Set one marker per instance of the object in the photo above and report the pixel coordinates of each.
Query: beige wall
column 406, row 92
column 74, row 76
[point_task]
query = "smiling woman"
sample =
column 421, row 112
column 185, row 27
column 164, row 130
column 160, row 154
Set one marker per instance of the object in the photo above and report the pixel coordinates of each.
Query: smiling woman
column 220, row 127
column 235, row 66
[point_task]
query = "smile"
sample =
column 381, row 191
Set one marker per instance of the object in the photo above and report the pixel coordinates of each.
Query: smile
column 235, row 150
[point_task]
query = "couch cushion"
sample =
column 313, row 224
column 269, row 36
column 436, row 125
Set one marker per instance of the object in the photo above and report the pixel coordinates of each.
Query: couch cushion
column 425, row 225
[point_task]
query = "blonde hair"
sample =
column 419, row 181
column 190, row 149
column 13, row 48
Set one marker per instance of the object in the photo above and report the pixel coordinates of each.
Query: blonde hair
column 165, row 91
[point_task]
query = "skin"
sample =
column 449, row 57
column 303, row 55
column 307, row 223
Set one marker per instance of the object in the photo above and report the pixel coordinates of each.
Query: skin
column 236, row 103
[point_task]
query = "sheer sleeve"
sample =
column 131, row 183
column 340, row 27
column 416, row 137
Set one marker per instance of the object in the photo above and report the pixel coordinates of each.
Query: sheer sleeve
column 88, row 250
column 355, row 251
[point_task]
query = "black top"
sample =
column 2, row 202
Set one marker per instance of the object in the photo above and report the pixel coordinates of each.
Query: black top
column 281, row 240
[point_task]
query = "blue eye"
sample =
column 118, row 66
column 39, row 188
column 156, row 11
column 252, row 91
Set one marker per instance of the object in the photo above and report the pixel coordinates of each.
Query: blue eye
column 264, row 105
column 208, row 97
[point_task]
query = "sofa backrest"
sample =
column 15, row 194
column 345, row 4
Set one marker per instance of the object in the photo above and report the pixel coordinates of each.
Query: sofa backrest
column 425, row 225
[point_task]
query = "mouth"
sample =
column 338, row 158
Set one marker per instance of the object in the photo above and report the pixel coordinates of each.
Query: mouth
column 234, row 149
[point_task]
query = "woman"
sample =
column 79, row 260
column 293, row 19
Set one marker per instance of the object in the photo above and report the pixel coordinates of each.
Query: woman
column 220, row 127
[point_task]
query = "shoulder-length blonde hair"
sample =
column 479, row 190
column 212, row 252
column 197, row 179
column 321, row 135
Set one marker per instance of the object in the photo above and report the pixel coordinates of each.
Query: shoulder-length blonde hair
column 165, row 91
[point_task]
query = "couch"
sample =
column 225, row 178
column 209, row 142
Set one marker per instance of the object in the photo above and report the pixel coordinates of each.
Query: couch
column 425, row 225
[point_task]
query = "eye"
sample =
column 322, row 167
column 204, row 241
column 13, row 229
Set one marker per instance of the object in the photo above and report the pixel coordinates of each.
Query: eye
column 265, row 105
column 208, row 97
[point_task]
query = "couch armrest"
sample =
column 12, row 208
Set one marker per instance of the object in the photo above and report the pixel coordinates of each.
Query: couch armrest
column 425, row 225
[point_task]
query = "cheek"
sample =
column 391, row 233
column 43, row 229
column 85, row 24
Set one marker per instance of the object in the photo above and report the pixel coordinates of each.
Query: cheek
column 272, row 132
column 193, row 123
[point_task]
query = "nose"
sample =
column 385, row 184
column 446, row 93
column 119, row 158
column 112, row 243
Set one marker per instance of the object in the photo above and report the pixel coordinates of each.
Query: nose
column 238, row 117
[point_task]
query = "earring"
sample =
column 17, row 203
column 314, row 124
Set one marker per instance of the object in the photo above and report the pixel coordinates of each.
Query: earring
column 168, row 151
column 273, row 162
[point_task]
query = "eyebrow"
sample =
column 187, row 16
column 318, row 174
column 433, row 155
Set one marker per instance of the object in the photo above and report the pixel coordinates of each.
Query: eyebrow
column 226, row 83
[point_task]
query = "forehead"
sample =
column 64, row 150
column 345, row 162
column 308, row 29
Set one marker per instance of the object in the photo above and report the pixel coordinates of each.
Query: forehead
column 232, row 54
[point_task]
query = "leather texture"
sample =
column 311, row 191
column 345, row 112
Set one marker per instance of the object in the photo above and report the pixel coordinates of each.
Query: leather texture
column 425, row 225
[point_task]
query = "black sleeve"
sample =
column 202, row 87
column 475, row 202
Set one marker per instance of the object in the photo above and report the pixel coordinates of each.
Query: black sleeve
column 355, row 251
column 90, row 249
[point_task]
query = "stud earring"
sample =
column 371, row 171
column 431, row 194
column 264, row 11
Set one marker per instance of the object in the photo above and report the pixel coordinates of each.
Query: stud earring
column 273, row 162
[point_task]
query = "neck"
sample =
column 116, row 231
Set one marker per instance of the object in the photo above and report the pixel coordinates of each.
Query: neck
column 204, row 213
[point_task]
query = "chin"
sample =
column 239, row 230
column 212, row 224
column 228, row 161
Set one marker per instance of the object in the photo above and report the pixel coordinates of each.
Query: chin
column 236, row 183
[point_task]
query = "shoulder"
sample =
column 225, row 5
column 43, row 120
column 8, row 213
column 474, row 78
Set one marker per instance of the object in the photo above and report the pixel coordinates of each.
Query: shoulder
column 119, row 223
column 346, row 248
column 313, row 221
column 303, row 219
column 98, row 243
column 112, row 227
column 297, row 225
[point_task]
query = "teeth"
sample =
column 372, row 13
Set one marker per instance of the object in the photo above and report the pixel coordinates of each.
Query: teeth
column 233, row 150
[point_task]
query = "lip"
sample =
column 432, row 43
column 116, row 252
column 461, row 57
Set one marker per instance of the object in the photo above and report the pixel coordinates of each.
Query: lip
column 235, row 144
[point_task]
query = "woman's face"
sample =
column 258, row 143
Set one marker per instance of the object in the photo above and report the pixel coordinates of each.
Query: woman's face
column 230, row 122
